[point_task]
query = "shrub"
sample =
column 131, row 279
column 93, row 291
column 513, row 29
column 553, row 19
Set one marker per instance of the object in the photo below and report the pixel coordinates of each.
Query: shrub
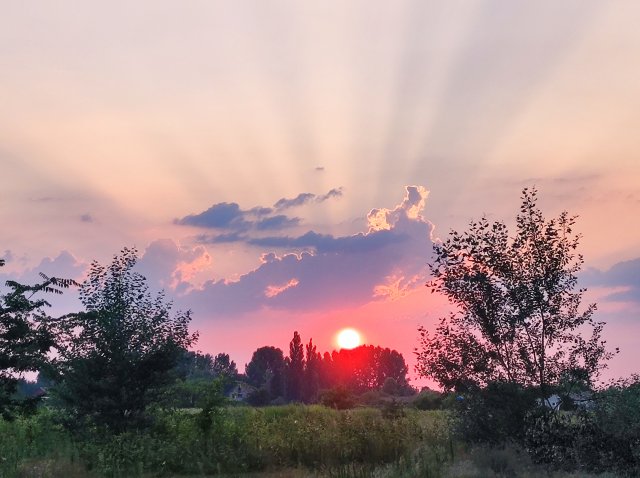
column 496, row 414
column 428, row 400
column 339, row 398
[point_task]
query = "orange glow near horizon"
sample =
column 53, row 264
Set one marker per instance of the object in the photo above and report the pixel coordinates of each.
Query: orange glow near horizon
column 348, row 339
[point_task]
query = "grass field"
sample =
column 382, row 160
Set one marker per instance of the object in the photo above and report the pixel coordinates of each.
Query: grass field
column 275, row 442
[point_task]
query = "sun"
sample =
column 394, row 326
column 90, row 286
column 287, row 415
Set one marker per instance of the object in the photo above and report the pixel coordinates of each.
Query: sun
column 348, row 339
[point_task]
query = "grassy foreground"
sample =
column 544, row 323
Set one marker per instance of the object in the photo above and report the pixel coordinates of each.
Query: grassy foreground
column 288, row 442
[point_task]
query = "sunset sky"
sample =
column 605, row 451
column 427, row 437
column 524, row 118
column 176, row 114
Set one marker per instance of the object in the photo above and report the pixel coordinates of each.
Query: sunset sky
column 287, row 165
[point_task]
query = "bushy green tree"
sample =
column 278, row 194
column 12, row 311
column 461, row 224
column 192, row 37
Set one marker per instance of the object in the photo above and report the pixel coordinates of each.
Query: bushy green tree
column 518, row 317
column 116, row 356
column 224, row 367
column 267, row 370
column 26, row 337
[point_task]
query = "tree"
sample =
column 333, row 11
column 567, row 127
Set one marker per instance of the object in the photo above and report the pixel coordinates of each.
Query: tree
column 193, row 365
column 367, row 367
column 116, row 356
column 313, row 364
column 266, row 370
column 26, row 337
column 295, row 368
column 224, row 367
column 517, row 317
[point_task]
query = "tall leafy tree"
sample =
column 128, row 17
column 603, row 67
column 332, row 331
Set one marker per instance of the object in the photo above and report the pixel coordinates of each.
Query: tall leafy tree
column 518, row 316
column 267, row 370
column 295, row 368
column 26, row 337
column 193, row 365
column 312, row 371
column 116, row 356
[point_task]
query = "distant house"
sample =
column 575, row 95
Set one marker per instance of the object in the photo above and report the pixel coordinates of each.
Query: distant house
column 241, row 391
column 582, row 400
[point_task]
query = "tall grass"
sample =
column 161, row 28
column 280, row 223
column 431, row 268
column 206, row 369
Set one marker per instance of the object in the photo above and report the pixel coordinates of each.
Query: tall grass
column 234, row 440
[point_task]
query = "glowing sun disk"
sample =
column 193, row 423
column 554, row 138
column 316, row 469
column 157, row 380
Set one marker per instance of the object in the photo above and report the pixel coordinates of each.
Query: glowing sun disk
column 348, row 339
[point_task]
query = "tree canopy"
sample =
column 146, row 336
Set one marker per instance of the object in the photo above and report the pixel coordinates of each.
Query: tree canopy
column 518, row 315
column 117, row 354
column 26, row 337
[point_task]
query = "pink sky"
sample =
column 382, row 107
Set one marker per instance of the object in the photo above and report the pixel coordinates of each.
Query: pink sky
column 259, row 155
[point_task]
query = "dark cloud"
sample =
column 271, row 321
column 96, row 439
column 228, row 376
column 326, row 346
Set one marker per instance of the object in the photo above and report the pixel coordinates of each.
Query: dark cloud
column 219, row 216
column 229, row 217
column 319, row 168
column 220, row 238
column 86, row 218
column 277, row 222
column 299, row 200
column 334, row 193
column 326, row 243
column 304, row 198
column 623, row 275
column 260, row 211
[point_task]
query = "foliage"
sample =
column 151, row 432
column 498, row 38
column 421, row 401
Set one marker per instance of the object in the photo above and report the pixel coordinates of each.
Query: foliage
column 295, row 368
column 495, row 414
column 194, row 365
column 225, row 368
column 603, row 437
column 300, row 376
column 117, row 355
column 312, row 370
column 365, row 368
column 428, row 399
column 211, row 416
column 26, row 337
column 259, row 397
column 339, row 398
column 241, row 439
column 518, row 315
column 267, row 370
column 194, row 371
column 617, row 409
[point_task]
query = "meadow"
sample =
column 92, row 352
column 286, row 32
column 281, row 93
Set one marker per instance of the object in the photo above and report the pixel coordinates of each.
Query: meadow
column 291, row 441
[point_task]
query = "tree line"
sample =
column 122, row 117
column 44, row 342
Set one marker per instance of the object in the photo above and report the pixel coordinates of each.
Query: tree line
column 127, row 350
column 303, row 375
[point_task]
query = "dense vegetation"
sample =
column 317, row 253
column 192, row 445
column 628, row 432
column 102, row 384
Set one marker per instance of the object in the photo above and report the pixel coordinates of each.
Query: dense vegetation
column 518, row 346
column 236, row 439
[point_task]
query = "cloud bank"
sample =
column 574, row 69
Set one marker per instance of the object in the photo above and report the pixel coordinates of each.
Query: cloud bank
column 320, row 272
column 233, row 223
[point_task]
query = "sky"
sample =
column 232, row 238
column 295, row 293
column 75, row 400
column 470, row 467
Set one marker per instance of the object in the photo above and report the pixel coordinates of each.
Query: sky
column 286, row 165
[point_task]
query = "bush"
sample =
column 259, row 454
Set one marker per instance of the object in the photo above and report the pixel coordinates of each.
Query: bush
column 428, row 400
column 339, row 398
column 496, row 414
column 606, row 438
column 259, row 397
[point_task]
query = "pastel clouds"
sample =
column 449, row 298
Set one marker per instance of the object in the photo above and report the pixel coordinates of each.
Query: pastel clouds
column 167, row 265
column 322, row 272
column 304, row 198
column 411, row 207
column 621, row 281
column 233, row 223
